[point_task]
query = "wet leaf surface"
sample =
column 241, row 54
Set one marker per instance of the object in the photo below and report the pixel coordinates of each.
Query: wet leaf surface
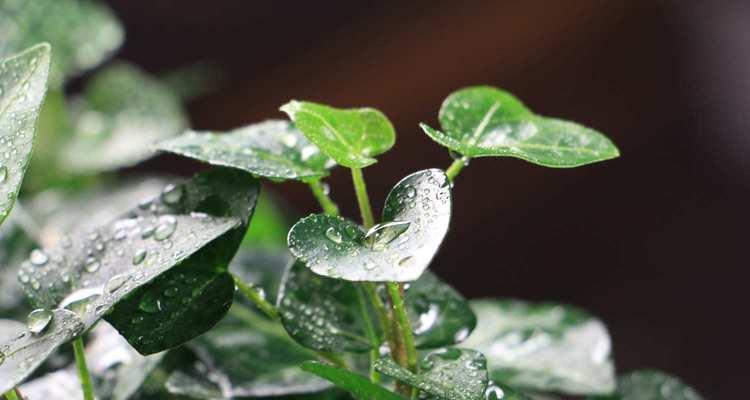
column 270, row 149
column 84, row 33
column 15, row 246
column 352, row 137
column 651, row 385
column 359, row 386
column 449, row 374
column 543, row 346
column 416, row 217
column 484, row 121
column 123, row 111
column 23, row 84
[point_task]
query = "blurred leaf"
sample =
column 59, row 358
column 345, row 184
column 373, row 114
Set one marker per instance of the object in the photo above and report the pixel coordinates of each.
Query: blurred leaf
column 352, row 137
column 195, row 80
column 651, row 385
column 20, row 356
column 484, row 121
column 270, row 149
column 263, row 268
column 23, row 83
column 359, row 386
column 15, row 246
column 416, row 214
column 58, row 385
column 545, row 347
column 123, row 111
column 449, row 374
column 270, row 226
column 83, row 33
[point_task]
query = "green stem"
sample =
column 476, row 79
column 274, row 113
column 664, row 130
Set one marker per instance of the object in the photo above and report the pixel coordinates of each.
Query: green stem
column 394, row 290
column 370, row 330
column 362, row 198
column 83, row 370
column 318, row 189
column 455, row 168
column 255, row 296
column 12, row 395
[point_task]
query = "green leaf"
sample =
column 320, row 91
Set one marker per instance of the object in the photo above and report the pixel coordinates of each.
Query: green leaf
column 246, row 355
column 416, row 214
column 359, row 386
column 651, row 385
column 352, row 137
column 122, row 112
column 83, row 33
column 449, row 374
column 484, row 121
column 543, row 346
column 23, row 80
column 195, row 226
column 20, row 356
column 270, row 149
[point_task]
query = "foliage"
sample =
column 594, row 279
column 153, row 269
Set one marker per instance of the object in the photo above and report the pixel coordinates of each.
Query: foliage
column 182, row 290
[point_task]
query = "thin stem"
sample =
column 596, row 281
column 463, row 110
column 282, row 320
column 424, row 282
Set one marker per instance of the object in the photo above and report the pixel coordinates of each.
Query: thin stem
column 394, row 290
column 257, row 298
column 83, row 370
column 319, row 191
column 370, row 330
column 362, row 198
column 12, row 395
column 455, row 168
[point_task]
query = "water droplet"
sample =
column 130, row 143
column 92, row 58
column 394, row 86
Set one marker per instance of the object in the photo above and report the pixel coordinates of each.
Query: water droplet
column 139, row 256
column 289, row 140
column 333, row 235
column 115, row 283
column 381, row 234
column 38, row 257
column 404, row 261
column 3, row 174
column 92, row 264
column 80, row 299
column 172, row 194
column 165, row 229
column 493, row 392
column 38, row 320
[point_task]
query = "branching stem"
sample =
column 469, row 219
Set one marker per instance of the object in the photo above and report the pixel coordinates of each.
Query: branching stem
column 455, row 168
column 360, row 188
column 83, row 370
column 255, row 296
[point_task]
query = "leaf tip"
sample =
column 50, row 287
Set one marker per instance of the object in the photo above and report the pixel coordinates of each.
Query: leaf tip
column 291, row 108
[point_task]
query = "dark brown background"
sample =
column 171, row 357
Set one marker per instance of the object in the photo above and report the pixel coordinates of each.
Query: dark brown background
column 653, row 242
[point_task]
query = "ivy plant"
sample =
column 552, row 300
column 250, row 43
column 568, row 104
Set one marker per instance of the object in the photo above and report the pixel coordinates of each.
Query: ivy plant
column 178, row 288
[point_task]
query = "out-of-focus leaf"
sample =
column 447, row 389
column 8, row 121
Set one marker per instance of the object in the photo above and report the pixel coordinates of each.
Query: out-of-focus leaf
column 359, row 386
column 83, row 33
column 416, row 217
column 651, row 385
column 23, row 83
column 15, row 246
column 270, row 226
column 263, row 268
column 123, row 111
column 545, row 347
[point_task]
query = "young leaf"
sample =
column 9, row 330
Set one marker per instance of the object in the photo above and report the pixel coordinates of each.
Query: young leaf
column 271, row 149
column 651, row 385
column 545, row 347
column 449, row 374
column 196, row 226
column 122, row 112
column 416, row 214
column 83, row 33
column 352, row 137
column 246, row 355
column 359, row 386
column 23, row 80
column 484, row 121
column 20, row 356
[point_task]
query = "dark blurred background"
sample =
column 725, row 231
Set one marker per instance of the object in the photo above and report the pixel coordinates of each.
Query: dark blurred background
column 653, row 242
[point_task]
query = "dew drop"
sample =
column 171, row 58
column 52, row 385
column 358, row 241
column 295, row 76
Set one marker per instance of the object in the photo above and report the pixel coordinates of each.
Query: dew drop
column 3, row 174
column 92, row 264
column 38, row 320
column 380, row 235
column 38, row 257
column 333, row 235
column 115, row 283
column 80, row 299
column 172, row 194
column 165, row 229
column 139, row 256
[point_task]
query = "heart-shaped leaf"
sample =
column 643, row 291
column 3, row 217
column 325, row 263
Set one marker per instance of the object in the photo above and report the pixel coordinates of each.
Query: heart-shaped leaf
column 484, row 121
column 23, row 83
column 246, row 355
column 416, row 217
column 449, row 374
column 83, row 33
column 272, row 149
column 651, row 385
column 352, row 137
column 20, row 356
column 196, row 225
column 122, row 112
column 545, row 347
column 359, row 386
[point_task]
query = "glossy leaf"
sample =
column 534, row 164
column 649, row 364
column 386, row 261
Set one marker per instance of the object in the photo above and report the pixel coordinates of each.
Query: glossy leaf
column 359, row 386
column 270, row 149
column 196, row 226
column 545, row 347
column 484, row 121
column 20, row 356
column 246, row 355
column 352, row 137
column 83, row 33
column 416, row 217
column 651, row 385
column 123, row 111
column 449, row 374
column 23, row 84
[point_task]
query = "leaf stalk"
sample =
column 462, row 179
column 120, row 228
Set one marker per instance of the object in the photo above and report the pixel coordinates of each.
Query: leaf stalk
column 399, row 309
column 83, row 371
column 360, row 188
column 257, row 298
column 455, row 168
column 319, row 191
